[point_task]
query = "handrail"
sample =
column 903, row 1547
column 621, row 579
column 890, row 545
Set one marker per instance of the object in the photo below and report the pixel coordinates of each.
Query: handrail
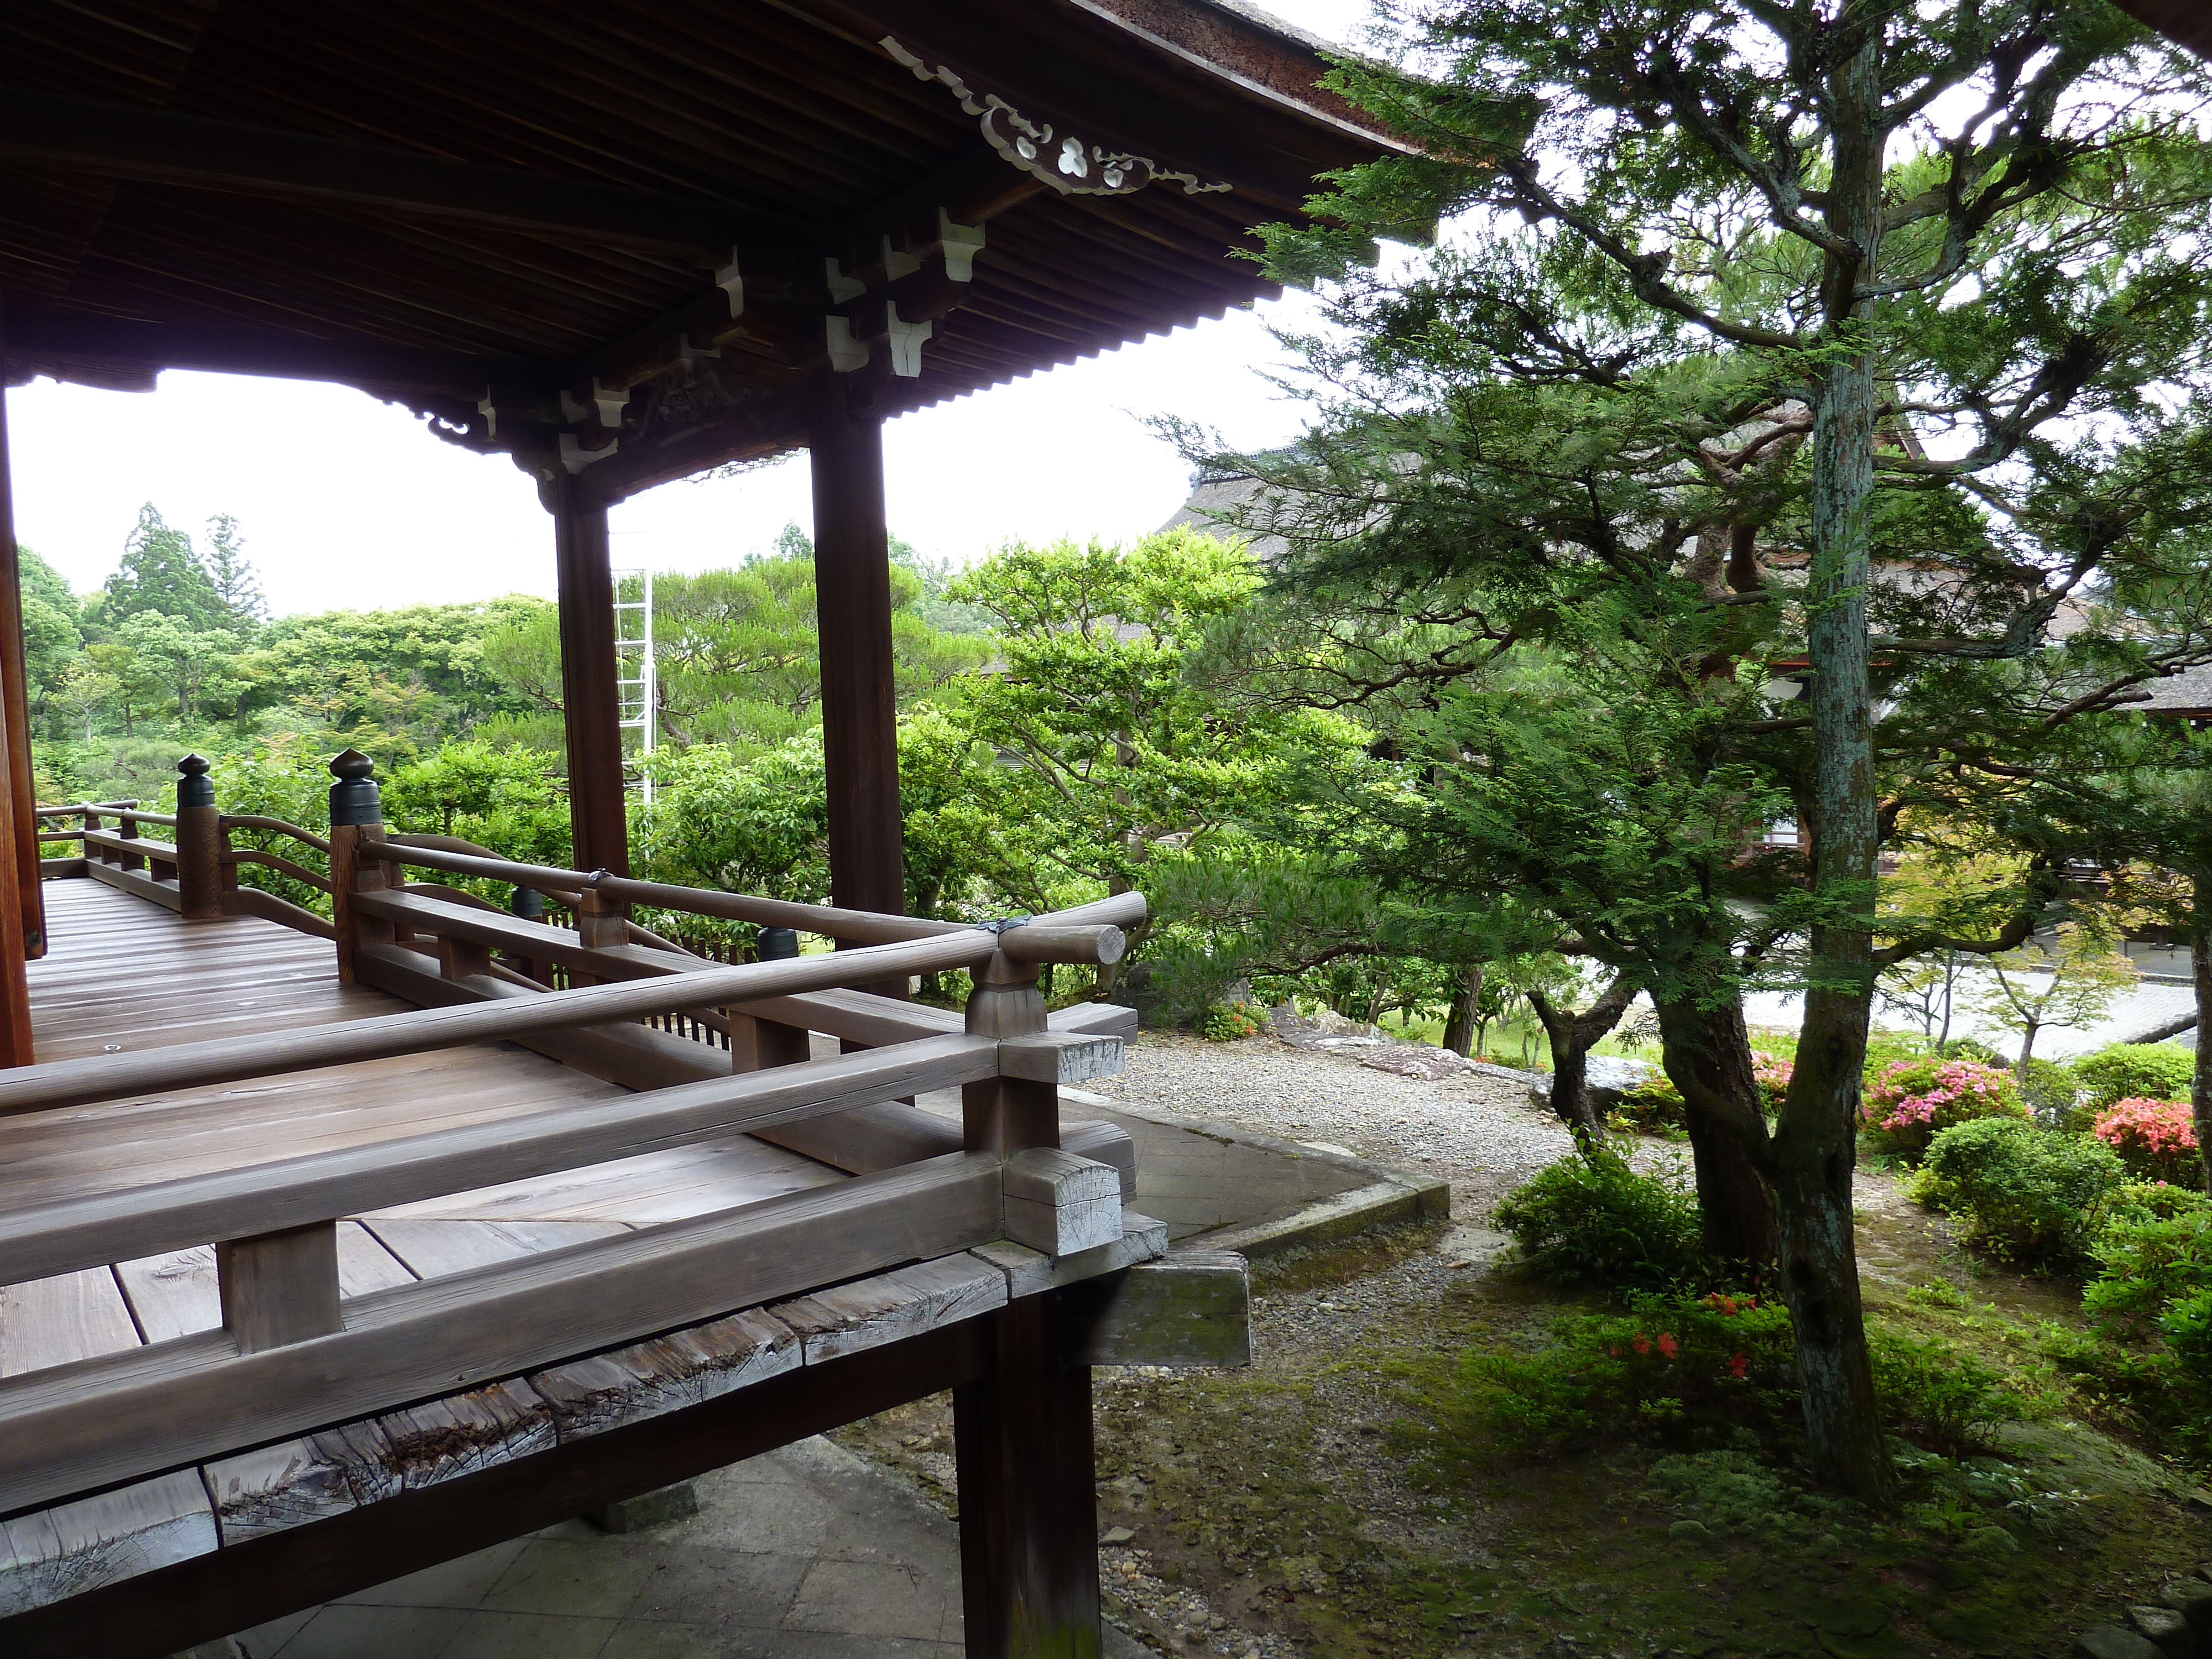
column 167, row 819
column 189, row 1065
column 82, row 806
column 868, row 927
column 279, row 863
column 255, row 821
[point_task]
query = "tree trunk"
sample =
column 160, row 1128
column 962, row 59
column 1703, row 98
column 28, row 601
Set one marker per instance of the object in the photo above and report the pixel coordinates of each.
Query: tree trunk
column 1572, row 1036
column 1707, row 1053
column 2026, row 1051
column 2200, row 972
column 1816, row 1144
column 1460, row 1032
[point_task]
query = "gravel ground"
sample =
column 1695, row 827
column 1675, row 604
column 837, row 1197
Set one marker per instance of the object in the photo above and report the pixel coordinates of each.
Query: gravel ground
column 1478, row 1132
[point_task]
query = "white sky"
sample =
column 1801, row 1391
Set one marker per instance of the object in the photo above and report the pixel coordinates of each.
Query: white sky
column 328, row 485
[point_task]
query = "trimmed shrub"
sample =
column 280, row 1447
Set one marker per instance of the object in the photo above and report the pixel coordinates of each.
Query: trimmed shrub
column 1228, row 1022
column 2147, row 1262
column 1913, row 1100
column 2145, row 1070
column 1595, row 1219
column 2155, row 1139
column 1937, row 1392
column 2020, row 1193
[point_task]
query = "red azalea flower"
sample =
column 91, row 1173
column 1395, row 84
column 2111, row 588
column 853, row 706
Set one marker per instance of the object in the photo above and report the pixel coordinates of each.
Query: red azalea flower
column 1668, row 1345
column 1642, row 1344
column 1735, row 1365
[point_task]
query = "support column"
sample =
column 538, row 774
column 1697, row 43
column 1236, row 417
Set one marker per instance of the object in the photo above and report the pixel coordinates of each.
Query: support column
column 853, row 603
column 15, row 704
column 591, row 703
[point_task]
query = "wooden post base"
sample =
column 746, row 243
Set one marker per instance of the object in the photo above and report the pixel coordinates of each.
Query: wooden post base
column 1029, row 1507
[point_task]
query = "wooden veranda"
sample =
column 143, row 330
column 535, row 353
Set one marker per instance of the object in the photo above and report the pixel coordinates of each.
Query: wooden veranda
column 330, row 1250
column 333, row 1247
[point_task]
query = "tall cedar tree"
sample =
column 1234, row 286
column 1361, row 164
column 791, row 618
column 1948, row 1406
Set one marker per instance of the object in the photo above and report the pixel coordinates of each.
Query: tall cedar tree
column 1946, row 250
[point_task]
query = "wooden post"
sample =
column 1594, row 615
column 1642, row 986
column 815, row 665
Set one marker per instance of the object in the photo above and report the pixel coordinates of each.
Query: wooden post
column 591, row 703
column 279, row 1287
column 127, row 827
column 853, row 603
column 357, row 815
column 1028, row 1511
column 200, row 844
column 1005, row 1114
column 757, row 1044
column 92, row 822
column 22, row 791
column 602, row 924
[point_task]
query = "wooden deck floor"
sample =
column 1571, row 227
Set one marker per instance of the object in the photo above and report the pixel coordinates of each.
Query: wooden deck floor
column 125, row 975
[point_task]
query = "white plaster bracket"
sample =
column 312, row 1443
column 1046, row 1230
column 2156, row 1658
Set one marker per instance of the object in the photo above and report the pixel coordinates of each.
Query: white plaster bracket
column 730, row 282
column 485, row 408
column 906, row 340
column 575, row 458
column 842, row 286
column 961, row 244
column 610, row 405
column 897, row 265
column 846, row 353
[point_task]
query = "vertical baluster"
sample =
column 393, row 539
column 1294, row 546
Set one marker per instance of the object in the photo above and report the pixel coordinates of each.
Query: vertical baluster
column 279, row 1287
column 756, row 1044
column 127, row 827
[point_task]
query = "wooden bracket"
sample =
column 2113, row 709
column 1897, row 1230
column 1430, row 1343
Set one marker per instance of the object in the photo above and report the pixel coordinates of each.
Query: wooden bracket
column 1059, row 1057
column 1059, row 1203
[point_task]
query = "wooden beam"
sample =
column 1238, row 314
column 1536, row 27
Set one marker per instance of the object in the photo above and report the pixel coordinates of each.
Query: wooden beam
column 202, row 1600
column 117, row 1077
column 38, row 1241
column 36, row 338
column 859, row 718
column 2183, row 20
column 16, row 710
column 71, row 1428
column 591, row 703
column 130, row 141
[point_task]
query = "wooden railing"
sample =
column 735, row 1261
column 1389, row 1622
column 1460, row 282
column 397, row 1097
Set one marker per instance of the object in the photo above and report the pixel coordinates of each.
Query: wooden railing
column 286, row 1362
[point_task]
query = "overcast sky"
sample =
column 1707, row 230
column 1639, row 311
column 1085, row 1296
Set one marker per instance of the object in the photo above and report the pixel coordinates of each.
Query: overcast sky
column 322, row 479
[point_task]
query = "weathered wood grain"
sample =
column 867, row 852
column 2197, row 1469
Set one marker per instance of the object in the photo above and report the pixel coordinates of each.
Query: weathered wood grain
column 1061, row 1204
column 80, row 1547
column 871, row 1312
column 590, row 1397
column 280, row 1286
column 67, row 1316
column 1029, row 1272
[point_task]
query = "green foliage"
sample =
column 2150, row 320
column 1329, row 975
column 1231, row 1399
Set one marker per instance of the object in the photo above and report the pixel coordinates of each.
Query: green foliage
column 1653, row 1107
column 2050, row 1091
column 1674, row 1369
column 2024, row 1194
column 1597, row 1220
column 1938, row 1393
column 2158, row 1071
column 1229, row 1022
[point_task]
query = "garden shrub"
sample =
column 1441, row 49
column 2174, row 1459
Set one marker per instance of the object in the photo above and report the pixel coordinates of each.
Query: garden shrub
column 2121, row 1071
column 1912, row 1100
column 2026, row 1194
column 2155, row 1139
column 1653, row 1107
column 1673, row 1368
column 2051, row 1090
column 2147, row 1262
column 1596, row 1219
column 1227, row 1022
column 1940, row 1395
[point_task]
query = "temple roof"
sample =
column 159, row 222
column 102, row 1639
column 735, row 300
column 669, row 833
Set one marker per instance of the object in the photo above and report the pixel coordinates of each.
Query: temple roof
column 512, row 216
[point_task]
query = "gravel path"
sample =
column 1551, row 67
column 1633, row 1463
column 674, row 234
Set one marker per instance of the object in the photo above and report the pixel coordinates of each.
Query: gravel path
column 1480, row 1133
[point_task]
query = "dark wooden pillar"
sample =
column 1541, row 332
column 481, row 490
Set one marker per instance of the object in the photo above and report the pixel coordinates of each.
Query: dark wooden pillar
column 852, row 600
column 1029, row 1507
column 15, row 702
column 590, row 701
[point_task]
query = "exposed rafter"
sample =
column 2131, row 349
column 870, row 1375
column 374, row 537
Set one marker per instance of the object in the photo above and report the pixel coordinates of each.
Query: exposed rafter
column 124, row 142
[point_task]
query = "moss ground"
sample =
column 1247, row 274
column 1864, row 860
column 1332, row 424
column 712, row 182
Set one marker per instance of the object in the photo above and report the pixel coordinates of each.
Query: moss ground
column 1328, row 1500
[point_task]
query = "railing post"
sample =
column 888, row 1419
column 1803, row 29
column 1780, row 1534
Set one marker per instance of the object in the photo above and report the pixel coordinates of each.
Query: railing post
column 200, row 843
column 357, row 815
column 1022, row 1434
column 1007, row 1113
column 756, row 1044
column 127, row 827
column 279, row 1287
column 91, row 821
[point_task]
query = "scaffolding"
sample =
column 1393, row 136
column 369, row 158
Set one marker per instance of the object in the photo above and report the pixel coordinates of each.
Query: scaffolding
column 636, row 683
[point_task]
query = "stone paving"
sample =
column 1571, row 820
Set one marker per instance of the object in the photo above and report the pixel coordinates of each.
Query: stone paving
column 806, row 1553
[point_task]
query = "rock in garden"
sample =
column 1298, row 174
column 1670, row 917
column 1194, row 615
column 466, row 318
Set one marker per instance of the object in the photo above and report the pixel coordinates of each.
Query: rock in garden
column 2163, row 1627
column 2111, row 1642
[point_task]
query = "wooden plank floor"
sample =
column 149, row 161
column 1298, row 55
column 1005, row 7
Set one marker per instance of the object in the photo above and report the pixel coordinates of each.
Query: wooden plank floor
column 125, row 975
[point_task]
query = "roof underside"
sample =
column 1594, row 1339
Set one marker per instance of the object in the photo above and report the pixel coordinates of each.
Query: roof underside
column 791, row 124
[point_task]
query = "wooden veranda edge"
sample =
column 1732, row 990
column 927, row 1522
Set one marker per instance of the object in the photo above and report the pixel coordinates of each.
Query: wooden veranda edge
column 71, row 1429
column 208, row 1597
